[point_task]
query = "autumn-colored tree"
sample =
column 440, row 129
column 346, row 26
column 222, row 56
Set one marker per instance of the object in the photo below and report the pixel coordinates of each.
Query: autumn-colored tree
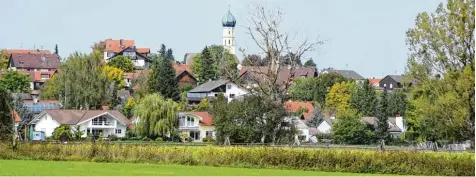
column 338, row 97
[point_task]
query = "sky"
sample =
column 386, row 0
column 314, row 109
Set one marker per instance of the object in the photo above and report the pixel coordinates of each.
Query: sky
column 367, row 36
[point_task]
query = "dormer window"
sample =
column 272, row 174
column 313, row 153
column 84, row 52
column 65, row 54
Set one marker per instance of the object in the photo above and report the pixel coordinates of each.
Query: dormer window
column 21, row 61
column 45, row 76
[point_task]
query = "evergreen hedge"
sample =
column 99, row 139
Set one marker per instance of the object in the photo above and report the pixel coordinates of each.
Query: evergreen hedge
column 356, row 161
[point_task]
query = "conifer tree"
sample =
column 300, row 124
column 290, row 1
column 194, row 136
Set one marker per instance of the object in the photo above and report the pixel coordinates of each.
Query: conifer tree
column 382, row 117
column 163, row 75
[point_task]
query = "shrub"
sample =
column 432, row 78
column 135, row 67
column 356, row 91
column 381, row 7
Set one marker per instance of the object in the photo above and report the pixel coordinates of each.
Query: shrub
column 208, row 139
column 159, row 139
column 113, row 138
column 357, row 161
column 146, row 139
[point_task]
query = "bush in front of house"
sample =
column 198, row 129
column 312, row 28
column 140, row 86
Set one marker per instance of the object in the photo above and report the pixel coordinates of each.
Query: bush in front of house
column 357, row 161
column 208, row 139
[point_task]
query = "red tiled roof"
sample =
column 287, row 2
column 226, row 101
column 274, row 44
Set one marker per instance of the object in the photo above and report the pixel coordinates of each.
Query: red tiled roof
column 374, row 81
column 293, row 106
column 115, row 46
column 143, row 50
column 50, row 61
column 179, row 68
column 16, row 116
column 207, row 119
column 25, row 51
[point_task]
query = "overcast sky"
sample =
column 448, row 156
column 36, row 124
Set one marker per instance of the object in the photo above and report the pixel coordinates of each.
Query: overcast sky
column 367, row 36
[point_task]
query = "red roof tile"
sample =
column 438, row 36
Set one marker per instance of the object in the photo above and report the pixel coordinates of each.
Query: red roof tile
column 293, row 106
column 179, row 68
column 16, row 116
column 143, row 50
column 115, row 45
column 207, row 119
column 374, row 81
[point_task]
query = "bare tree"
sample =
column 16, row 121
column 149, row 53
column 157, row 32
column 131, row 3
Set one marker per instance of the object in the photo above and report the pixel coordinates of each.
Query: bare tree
column 265, row 31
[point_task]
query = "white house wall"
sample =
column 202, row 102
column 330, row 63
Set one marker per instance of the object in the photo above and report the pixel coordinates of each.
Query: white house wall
column 234, row 90
column 204, row 129
column 46, row 124
column 324, row 127
column 138, row 63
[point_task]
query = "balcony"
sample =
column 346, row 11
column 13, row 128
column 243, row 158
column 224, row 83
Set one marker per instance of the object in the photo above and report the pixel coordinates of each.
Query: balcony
column 103, row 124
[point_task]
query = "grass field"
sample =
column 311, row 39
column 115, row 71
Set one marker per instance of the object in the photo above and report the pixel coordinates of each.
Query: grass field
column 60, row 168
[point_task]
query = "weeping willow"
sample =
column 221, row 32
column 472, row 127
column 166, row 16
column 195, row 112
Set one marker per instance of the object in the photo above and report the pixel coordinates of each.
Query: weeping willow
column 156, row 116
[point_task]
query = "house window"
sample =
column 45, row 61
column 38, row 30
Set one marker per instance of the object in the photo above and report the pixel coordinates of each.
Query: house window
column 96, row 132
column 100, row 121
column 391, row 85
column 195, row 135
column 118, row 131
column 110, row 54
column 45, row 76
column 228, row 86
column 229, row 32
column 129, row 54
column 190, row 121
column 209, row 133
column 232, row 95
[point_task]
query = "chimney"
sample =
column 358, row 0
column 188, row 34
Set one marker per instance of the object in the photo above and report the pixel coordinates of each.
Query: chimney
column 397, row 115
column 35, row 99
column 120, row 42
column 289, row 66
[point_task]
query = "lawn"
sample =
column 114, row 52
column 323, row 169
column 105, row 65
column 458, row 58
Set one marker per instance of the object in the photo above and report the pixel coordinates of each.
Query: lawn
column 61, row 168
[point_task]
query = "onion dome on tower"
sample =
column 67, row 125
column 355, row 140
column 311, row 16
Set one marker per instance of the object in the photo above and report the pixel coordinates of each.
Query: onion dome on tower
column 228, row 20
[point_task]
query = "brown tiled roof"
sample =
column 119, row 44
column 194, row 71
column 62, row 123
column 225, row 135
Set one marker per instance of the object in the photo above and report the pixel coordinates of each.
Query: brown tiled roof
column 46, row 61
column 36, row 75
column 25, row 51
column 73, row 117
column 293, row 106
column 283, row 74
column 207, row 119
column 180, row 68
column 143, row 50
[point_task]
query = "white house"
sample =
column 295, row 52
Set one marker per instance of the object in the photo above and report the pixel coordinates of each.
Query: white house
column 107, row 122
column 211, row 89
column 396, row 125
column 127, row 48
column 196, row 125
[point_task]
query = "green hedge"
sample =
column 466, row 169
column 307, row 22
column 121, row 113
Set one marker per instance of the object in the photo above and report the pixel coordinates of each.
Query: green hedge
column 357, row 161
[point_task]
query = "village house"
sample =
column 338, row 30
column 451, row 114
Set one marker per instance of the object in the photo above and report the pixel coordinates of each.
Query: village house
column 300, row 121
column 121, row 47
column 183, row 74
column 348, row 74
column 391, row 82
column 396, row 125
column 375, row 83
column 211, row 89
column 94, row 122
column 196, row 125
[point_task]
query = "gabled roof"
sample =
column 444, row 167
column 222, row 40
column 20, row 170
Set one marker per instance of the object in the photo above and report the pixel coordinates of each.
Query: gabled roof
column 115, row 45
column 396, row 78
column 73, row 117
column 207, row 118
column 137, row 53
column 46, row 61
column 392, row 123
column 293, row 106
column 208, row 86
column 374, row 81
column 349, row 74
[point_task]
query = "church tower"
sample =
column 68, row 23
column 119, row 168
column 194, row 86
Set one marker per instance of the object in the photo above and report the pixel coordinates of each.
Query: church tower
column 229, row 23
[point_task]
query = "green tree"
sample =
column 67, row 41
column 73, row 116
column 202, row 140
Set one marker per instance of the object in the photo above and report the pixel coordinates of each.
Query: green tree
column 128, row 109
column 441, row 61
column 77, row 133
column 156, row 116
column 50, row 89
column 397, row 103
column 338, row 97
column 204, row 105
column 4, row 57
column 62, row 130
column 213, row 63
column 81, row 83
column 56, row 50
column 350, row 130
column 310, row 63
column 317, row 116
column 314, row 88
column 6, row 121
column 364, row 99
column 221, row 119
column 163, row 78
column 382, row 128
column 254, row 60
column 99, row 46
column 121, row 62
column 25, row 115
column 16, row 81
